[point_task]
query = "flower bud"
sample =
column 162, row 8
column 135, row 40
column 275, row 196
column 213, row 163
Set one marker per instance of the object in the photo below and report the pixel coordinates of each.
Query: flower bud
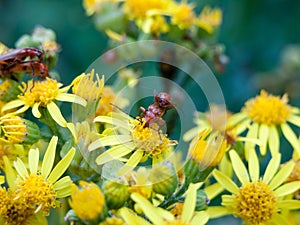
column 116, row 194
column 201, row 200
column 17, row 130
column 205, row 153
column 164, row 178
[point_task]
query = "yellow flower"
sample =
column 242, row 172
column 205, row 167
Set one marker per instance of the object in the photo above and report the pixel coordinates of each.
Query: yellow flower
column 130, row 136
column 257, row 200
column 183, row 15
column 159, row 216
column 263, row 115
column 88, row 202
column 3, row 48
column 209, row 19
column 43, row 94
column 147, row 14
column 137, row 9
column 42, row 186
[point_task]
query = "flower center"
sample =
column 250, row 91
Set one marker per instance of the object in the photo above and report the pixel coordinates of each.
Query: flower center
column 106, row 102
column 15, row 210
column 38, row 191
column 42, row 92
column 151, row 140
column 268, row 109
column 256, row 202
column 4, row 87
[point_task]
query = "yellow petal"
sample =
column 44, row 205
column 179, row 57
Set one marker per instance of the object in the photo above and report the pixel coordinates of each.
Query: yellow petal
column 287, row 188
column 65, row 192
column 217, row 211
column 213, row 190
column 189, row 203
column 226, row 182
column 272, row 168
column 113, row 153
column 65, row 97
column 110, row 141
column 200, row 218
column 239, row 167
column 49, row 157
column 240, row 128
column 291, row 137
column 282, row 175
column 279, row 219
column 112, row 120
column 190, row 134
column 61, row 166
column 21, row 168
column 273, row 140
column 10, row 173
column 62, row 183
column 263, row 137
column 35, row 110
column 149, row 210
column 13, row 104
column 56, row 114
column 252, row 134
column 236, row 119
column 131, row 218
column 294, row 120
column 33, row 160
column 134, row 159
column 253, row 166
column 290, row 204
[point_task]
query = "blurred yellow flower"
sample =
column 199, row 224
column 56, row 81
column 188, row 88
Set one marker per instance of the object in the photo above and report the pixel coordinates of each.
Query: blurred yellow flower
column 209, row 19
column 182, row 15
column 263, row 115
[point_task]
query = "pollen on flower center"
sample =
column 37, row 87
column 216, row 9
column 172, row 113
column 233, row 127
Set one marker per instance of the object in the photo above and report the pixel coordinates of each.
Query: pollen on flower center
column 176, row 223
column 150, row 140
column 256, row 202
column 43, row 92
column 268, row 109
column 37, row 190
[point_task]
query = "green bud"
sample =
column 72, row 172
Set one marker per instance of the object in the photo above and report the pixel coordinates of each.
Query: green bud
column 33, row 132
column 164, row 178
column 202, row 200
column 116, row 194
column 194, row 173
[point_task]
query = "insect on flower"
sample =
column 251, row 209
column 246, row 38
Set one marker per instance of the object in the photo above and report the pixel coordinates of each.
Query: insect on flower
column 15, row 61
column 155, row 111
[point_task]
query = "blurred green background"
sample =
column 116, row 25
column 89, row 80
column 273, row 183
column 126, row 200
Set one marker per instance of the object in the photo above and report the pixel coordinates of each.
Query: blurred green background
column 254, row 32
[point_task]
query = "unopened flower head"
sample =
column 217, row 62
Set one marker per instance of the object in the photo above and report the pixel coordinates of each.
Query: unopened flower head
column 42, row 186
column 88, row 201
column 16, row 130
column 139, row 141
column 257, row 200
column 86, row 87
column 44, row 94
